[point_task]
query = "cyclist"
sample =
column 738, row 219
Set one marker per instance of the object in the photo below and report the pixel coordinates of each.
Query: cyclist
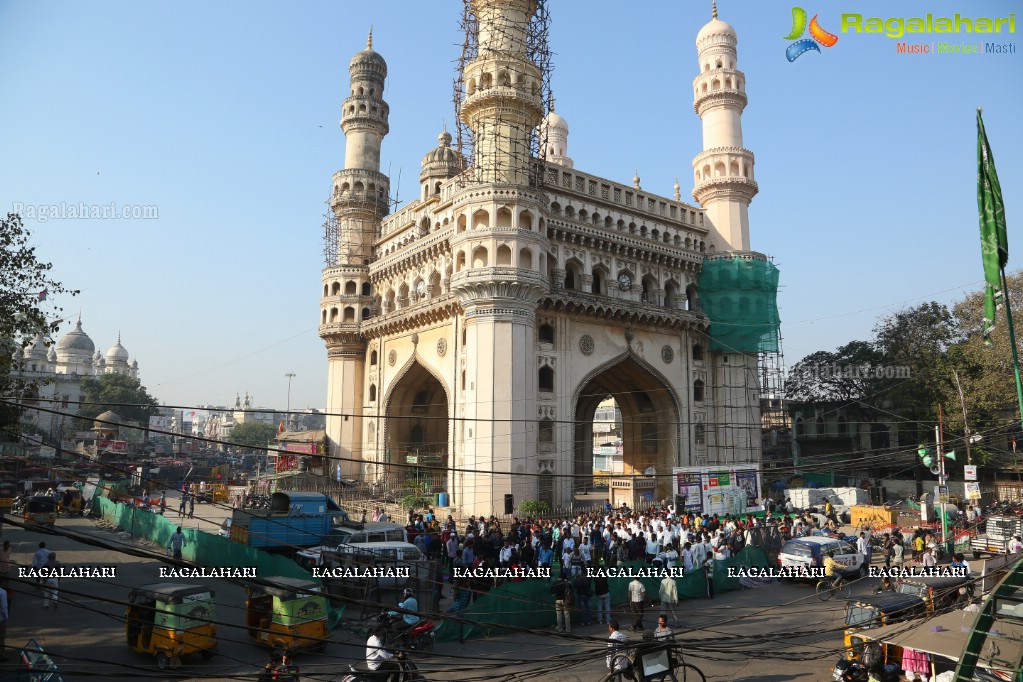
column 833, row 571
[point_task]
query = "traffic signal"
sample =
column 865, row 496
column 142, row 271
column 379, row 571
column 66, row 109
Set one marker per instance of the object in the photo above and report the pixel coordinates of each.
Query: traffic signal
column 925, row 455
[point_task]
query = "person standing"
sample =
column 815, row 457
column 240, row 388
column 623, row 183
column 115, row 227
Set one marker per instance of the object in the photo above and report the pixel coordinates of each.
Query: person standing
column 191, row 506
column 163, row 503
column 602, row 591
column 51, row 583
column 637, row 601
column 668, row 592
column 928, row 560
column 3, row 626
column 708, row 571
column 182, row 501
column 583, row 591
column 888, row 547
column 562, row 591
column 863, row 547
column 5, row 563
column 177, row 543
column 39, row 560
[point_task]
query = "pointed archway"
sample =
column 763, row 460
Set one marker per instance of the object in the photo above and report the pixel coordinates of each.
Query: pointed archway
column 649, row 424
column 417, row 429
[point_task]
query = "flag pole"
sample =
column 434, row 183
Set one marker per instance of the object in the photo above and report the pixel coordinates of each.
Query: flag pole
column 1012, row 343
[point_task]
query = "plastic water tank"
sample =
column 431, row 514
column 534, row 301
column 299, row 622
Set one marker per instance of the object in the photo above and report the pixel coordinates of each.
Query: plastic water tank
column 442, row 499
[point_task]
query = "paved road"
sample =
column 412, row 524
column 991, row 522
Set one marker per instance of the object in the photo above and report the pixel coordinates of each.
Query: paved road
column 761, row 634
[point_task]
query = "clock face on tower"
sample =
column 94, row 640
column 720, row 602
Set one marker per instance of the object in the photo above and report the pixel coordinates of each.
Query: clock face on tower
column 624, row 281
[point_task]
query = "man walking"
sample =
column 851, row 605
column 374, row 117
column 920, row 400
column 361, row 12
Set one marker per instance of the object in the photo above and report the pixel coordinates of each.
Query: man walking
column 51, row 582
column 191, row 506
column 177, row 542
column 182, row 501
column 668, row 593
column 602, row 590
column 39, row 560
column 637, row 601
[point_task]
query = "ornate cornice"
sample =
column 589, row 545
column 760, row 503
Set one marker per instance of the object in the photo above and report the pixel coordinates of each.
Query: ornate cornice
column 416, row 317
column 727, row 187
column 603, row 308
column 722, row 151
column 500, row 286
column 625, row 246
column 730, row 98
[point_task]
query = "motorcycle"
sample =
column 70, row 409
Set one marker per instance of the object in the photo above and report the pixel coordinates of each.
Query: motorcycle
column 18, row 505
column 360, row 672
column 399, row 635
column 854, row 671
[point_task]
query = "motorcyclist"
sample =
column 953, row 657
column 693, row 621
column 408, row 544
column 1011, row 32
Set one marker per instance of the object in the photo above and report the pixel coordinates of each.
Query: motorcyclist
column 379, row 659
column 410, row 608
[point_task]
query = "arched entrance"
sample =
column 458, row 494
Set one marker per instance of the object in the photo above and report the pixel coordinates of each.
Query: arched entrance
column 649, row 427
column 417, row 429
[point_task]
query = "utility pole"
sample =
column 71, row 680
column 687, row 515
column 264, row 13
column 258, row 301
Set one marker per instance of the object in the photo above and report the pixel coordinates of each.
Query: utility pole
column 290, row 375
column 966, row 426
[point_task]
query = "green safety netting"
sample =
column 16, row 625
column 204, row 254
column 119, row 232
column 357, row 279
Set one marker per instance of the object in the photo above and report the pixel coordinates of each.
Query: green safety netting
column 740, row 296
column 530, row 604
column 203, row 548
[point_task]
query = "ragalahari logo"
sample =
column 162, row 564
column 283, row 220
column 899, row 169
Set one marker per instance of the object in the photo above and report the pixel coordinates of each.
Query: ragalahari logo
column 801, row 47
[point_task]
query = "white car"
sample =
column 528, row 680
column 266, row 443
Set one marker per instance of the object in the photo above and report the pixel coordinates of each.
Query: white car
column 809, row 552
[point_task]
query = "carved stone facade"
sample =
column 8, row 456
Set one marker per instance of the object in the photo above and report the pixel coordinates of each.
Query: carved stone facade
column 473, row 332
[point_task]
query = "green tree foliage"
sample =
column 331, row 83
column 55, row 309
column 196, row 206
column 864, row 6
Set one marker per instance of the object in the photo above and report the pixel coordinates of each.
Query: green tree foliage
column 534, row 508
column 22, row 314
column 119, row 393
column 834, row 376
column 253, row 434
column 985, row 371
column 933, row 344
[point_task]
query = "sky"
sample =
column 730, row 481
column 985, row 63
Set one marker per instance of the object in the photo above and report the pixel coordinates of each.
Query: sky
column 215, row 127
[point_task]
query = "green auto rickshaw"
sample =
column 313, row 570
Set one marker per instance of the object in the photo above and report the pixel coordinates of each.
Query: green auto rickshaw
column 288, row 614
column 170, row 621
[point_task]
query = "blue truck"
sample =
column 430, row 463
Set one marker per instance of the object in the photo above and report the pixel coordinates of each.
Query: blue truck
column 294, row 520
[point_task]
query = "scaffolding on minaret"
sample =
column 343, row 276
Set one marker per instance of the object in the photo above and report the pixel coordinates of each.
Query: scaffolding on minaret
column 466, row 140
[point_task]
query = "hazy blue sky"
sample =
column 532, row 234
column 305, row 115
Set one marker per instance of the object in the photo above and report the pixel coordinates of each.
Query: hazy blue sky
column 224, row 117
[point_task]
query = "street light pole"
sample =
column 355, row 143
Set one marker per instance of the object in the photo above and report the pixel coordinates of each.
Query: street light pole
column 290, row 375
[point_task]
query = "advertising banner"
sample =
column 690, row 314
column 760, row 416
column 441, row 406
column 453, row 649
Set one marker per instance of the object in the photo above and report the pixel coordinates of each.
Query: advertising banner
column 689, row 489
column 747, row 481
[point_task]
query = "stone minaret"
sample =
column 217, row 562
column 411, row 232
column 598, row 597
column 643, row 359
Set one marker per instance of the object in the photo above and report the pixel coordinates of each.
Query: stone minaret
column 723, row 171
column 359, row 201
column 500, row 250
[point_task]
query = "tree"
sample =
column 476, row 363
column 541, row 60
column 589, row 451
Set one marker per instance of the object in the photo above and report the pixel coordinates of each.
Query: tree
column 839, row 376
column 119, row 393
column 25, row 283
column 253, row 434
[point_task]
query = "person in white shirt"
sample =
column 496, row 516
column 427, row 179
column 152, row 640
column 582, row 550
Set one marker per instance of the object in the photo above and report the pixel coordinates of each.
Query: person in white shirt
column 585, row 551
column 617, row 658
column 688, row 560
column 505, row 556
column 40, row 558
column 378, row 658
column 1015, row 545
column 928, row 560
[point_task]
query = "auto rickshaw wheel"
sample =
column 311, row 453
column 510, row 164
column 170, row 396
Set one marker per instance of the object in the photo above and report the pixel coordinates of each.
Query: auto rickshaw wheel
column 162, row 660
column 175, row 662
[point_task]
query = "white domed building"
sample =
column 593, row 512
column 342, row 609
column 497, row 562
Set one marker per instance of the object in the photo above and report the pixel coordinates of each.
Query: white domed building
column 58, row 368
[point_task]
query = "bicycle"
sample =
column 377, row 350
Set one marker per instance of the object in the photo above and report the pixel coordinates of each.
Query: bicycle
column 827, row 587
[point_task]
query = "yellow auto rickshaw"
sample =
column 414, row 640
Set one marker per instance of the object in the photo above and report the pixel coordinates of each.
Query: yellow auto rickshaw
column 170, row 621
column 288, row 614
column 8, row 492
column 40, row 512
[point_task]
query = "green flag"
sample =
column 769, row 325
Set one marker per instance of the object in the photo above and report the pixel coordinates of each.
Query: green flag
column 994, row 243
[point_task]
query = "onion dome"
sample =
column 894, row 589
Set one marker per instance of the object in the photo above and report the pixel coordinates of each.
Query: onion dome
column 75, row 344
column 442, row 162
column 716, row 28
column 117, row 353
column 368, row 60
